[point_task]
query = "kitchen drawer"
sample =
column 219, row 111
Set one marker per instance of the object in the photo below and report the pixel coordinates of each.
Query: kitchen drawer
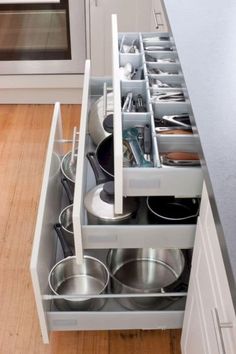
column 140, row 233
column 158, row 179
column 47, row 250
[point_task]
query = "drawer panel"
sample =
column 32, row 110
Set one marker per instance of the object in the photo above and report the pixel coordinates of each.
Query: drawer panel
column 69, row 321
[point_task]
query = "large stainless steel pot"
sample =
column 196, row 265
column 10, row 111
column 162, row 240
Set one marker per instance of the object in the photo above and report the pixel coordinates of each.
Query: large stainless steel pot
column 137, row 271
column 68, row 278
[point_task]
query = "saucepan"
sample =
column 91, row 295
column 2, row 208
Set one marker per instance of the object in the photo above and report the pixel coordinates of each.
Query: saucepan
column 68, row 278
column 144, row 271
column 171, row 210
column 99, row 200
column 68, row 165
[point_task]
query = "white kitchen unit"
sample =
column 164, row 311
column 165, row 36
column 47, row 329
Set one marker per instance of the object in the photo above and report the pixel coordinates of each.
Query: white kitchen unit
column 129, row 181
column 133, row 16
column 209, row 321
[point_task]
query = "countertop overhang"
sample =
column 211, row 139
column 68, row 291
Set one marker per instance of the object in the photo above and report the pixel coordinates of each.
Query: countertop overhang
column 204, row 33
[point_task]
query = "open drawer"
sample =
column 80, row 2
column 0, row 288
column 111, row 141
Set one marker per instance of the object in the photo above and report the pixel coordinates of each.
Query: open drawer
column 139, row 232
column 46, row 252
column 158, row 179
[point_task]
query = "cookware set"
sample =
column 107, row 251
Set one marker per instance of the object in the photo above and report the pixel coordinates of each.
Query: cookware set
column 144, row 272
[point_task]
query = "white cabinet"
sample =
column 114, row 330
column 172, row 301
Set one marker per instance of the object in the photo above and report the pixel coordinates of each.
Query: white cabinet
column 209, row 322
column 133, row 16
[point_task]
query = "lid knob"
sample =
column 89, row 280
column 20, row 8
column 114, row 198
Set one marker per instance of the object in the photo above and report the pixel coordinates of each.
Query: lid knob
column 108, row 192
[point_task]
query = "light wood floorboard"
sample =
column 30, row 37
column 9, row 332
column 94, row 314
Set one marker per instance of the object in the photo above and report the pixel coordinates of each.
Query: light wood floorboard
column 24, row 131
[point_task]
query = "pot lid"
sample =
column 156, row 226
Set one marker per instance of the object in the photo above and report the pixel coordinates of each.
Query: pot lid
column 68, row 168
column 99, row 202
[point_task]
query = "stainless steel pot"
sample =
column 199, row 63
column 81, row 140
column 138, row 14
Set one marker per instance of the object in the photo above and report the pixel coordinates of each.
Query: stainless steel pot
column 68, row 278
column 66, row 222
column 99, row 201
column 98, row 113
column 137, row 271
column 69, row 163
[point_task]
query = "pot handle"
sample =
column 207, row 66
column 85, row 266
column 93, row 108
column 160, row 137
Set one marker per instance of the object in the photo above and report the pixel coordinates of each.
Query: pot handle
column 65, row 247
column 67, row 190
column 98, row 172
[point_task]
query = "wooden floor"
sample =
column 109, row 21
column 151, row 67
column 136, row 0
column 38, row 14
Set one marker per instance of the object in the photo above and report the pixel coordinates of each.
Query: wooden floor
column 24, row 131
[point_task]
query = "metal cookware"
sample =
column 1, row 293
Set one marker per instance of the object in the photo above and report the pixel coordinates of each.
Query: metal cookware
column 99, row 201
column 66, row 222
column 180, row 159
column 171, row 210
column 69, row 163
column 173, row 131
column 138, row 271
column 68, row 278
column 102, row 108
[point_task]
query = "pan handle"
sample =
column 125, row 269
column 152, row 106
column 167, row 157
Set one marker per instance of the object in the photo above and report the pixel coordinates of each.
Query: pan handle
column 67, row 190
column 65, row 247
column 98, row 172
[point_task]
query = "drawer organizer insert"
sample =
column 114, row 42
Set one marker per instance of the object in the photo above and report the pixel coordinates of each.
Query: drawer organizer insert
column 149, row 85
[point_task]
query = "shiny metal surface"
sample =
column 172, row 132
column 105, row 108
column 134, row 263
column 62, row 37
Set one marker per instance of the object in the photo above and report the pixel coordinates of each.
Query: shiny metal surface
column 68, row 168
column 65, row 219
column 100, row 211
column 144, row 271
column 69, row 278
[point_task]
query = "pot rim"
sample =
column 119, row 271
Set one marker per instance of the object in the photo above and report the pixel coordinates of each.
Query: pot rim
column 169, row 218
column 74, row 257
column 62, row 166
column 110, row 136
column 152, row 290
column 60, row 217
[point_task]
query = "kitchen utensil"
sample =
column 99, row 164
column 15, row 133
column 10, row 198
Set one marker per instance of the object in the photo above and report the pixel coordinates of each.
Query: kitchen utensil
column 177, row 96
column 157, row 48
column 150, row 58
column 137, row 271
column 69, row 163
column 68, row 278
column 180, row 158
column 157, row 71
column 155, row 83
column 171, row 210
column 131, row 135
column 181, row 120
column 139, row 105
column 102, row 108
column 99, row 201
column 155, row 39
column 173, row 131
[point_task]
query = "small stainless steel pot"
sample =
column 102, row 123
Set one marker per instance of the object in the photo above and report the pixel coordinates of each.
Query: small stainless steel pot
column 68, row 170
column 137, row 271
column 68, row 278
column 65, row 219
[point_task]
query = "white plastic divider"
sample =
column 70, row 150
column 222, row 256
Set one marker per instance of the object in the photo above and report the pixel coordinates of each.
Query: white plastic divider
column 118, row 148
column 80, row 175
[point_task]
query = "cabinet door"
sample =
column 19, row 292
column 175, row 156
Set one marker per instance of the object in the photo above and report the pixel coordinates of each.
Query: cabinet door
column 158, row 21
column 132, row 16
column 214, row 327
column 198, row 327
